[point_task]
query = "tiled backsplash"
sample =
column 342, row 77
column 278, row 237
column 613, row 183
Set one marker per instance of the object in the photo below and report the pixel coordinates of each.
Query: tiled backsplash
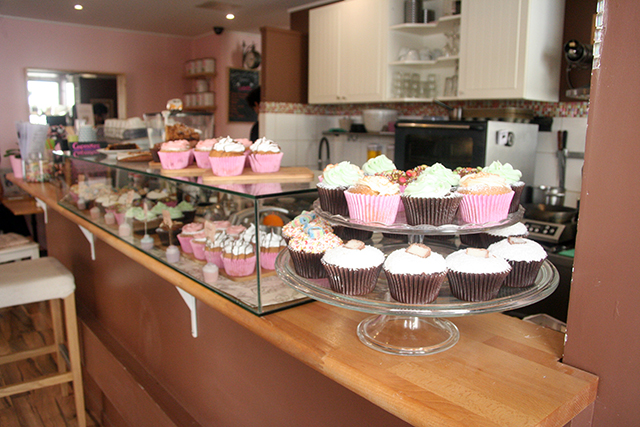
column 298, row 129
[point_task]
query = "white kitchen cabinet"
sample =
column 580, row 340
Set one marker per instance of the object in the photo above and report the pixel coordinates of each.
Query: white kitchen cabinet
column 511, row 49
column 346, row 45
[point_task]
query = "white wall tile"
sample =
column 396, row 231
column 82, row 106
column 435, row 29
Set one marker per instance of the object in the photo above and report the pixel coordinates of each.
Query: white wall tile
column 573, row 176
column 546, row 172
column 576, row 128
column 547, row 142
column 571, row 198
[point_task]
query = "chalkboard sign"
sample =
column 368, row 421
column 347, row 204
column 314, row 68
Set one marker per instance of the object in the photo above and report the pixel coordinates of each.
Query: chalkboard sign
column 241, row 82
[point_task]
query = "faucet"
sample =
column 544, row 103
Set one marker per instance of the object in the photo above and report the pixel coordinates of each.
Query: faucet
column 323, row 163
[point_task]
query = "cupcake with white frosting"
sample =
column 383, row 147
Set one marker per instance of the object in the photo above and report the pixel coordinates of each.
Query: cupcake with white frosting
column 227, row 157
column 238, row 258
column 270, row 246
column 525, row 258
column 486, row 198
column 265, row 156
column 475, row 274
column 353, row 268
column 373, row 199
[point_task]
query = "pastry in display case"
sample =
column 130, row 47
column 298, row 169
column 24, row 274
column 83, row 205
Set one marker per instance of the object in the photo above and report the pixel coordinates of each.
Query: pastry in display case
column 226, row 237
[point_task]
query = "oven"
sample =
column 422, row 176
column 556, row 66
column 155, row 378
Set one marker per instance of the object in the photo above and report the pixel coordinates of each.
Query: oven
column 466, row 144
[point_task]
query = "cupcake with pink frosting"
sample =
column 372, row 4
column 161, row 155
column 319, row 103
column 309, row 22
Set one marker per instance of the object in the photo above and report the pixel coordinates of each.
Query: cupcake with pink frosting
column 265, row 156
column 227, row 157
column 201, row 152
column 187, row 234
column 175, row 154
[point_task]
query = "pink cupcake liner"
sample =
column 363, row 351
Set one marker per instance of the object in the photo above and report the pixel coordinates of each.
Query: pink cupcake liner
column 227, row 166
column 265, row 163
column 382, row 209
column 198, row 249
column 120, row 217
column 214, row 257
column 202, row 159
column 185, row 243
column 480, row 209
column 175, row 160
column 268, row 260
column 239, row 267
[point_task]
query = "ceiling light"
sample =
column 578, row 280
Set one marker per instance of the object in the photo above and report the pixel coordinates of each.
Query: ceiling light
column 230, row 16
column 78, row 7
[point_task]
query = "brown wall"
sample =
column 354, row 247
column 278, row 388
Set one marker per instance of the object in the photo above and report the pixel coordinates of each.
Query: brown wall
column 227, row 376
column 604, row 314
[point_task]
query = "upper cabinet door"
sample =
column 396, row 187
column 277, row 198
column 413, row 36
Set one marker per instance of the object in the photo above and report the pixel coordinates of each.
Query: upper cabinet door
column 511, row 49
column 324, row 54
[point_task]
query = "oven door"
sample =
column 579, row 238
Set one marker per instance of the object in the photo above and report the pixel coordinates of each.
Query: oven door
column 452, row 144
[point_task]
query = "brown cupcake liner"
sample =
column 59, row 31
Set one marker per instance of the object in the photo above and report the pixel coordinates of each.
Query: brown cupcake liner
column 307, row 265
column 523, row 273
column 351, row 281
column 347, row 233
column 477, row 240
column 431, row 211
column 333, row 201
column 415, row 288
column 517, row 188
column 475, row 286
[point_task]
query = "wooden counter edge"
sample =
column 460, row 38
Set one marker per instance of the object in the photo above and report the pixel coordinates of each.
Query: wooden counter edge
column 268, row 327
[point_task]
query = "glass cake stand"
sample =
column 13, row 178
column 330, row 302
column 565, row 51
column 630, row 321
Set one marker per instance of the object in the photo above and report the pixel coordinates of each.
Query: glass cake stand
column 415, row 330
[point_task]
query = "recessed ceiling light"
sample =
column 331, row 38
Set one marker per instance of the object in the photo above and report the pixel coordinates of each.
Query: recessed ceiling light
column 78, row 7
column 230, row 16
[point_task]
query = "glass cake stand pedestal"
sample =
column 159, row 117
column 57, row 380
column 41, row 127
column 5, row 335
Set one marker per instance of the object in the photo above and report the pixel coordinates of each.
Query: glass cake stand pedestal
column 415, row 330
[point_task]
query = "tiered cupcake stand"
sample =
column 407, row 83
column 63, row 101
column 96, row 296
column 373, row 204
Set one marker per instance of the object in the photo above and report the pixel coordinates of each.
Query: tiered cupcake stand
column 415, row 330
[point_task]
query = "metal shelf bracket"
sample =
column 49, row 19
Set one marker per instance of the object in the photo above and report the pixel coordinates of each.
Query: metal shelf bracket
column 190, row 300
column 91, row 240
column 42, row 205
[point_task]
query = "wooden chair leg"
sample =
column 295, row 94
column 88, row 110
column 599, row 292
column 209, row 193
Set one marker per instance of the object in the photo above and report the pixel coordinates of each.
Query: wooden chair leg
column 74, row 357
column 58, row 338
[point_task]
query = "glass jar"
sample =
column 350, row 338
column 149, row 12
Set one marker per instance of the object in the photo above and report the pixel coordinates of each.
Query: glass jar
column 37, row 167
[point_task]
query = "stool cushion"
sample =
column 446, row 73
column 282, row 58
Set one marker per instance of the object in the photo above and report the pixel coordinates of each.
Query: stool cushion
column 35, row 280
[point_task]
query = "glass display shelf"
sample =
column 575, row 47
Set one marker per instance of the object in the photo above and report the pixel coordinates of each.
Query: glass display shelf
column 414, row 330
column 400, row 226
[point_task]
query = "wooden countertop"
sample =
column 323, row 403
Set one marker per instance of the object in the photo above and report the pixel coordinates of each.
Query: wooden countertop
column 502, row 372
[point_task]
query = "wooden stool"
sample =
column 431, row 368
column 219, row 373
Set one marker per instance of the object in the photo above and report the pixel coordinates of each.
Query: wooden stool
column 45, row 279
column 14, row 247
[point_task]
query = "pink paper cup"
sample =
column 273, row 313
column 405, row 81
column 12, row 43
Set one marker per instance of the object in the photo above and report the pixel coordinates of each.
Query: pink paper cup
column 202, row 159
column 265, row 163
column 268, row 260
column 175, row 160
column 239, row 267
column 214, row 257
column 198, row 249
column 227, row 166
column 479, row 209
column 185, row 243
column 381, row 209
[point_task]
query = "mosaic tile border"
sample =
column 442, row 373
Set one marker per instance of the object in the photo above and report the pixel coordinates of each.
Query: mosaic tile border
column 542, row 109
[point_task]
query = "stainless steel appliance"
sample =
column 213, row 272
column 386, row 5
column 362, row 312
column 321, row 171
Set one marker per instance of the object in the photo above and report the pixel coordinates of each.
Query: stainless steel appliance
column 466, row 143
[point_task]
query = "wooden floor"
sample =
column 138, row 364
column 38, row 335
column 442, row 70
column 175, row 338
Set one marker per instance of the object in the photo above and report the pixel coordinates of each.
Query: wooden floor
column 21, row 328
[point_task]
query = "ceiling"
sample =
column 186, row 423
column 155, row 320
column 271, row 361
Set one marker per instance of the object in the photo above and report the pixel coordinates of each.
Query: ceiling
column 188, row 18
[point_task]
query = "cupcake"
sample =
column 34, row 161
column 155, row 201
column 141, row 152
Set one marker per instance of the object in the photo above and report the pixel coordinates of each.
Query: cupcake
column 336, row 179
column 307, row 249
column 297, row 225
column 197, row 244
column 201, row 152
column 175, row 154
column 188, row 210
column 270, row 246
column 475, row 274
column 430, row 199
column 235, row 231
column 525, row 258
column 188, row 232
column 462, row 171
column 353, row 268
column 415, row 274
column 163, row 232
column 213, row 248
column 512, row 176
column 378, row 164
column 265, row 156
column 227, row 157
column 138, row 216
column 246, row 143
column 238, row 258
column 497, row 234
column 486, row 198
column 373, row 199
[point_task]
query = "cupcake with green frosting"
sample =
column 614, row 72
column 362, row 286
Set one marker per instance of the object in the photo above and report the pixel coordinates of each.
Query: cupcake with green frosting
column 336, row 178
column 431, row 199
column 377, row 165
column 188, row 210
column 512, row 176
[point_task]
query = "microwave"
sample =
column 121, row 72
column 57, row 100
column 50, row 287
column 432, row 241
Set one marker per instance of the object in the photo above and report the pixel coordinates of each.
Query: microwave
column 466, row 144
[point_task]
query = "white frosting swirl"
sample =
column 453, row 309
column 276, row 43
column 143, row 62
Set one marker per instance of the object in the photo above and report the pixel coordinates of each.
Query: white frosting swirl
column 402, row 262
column 228, row 145
column 380, row 184
column 264, row 145
column 345, row 257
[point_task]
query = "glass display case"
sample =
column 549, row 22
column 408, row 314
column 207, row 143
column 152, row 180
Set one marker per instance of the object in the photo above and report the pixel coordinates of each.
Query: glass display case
column 135, row 200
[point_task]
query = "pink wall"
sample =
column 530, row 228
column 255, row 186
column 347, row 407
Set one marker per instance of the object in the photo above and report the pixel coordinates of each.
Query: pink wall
column 153, row 65
column 227, row 49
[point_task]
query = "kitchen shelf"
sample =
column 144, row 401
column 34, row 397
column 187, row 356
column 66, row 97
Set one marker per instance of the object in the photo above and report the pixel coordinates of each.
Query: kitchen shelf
column 443, row 24
column 441, row 60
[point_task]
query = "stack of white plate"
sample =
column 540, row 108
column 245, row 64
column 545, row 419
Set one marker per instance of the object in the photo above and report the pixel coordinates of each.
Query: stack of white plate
column 87, row 134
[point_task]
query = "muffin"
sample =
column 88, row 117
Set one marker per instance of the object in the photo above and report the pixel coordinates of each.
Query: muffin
column 227, row 157
column 353, row 268
column 201, row 152
column 486, row 198
column 415, row 274
column 378, row 164
column 188, row 232
column 175, row 154
column 270, row 246
column 238, row 258
column 307, row 248
column 335, row 179
column 430, row 200
column 525, row 258
column 476, row 275
column 512, row 176
column 373, row 199
column 163, row 232
column 265, row 156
